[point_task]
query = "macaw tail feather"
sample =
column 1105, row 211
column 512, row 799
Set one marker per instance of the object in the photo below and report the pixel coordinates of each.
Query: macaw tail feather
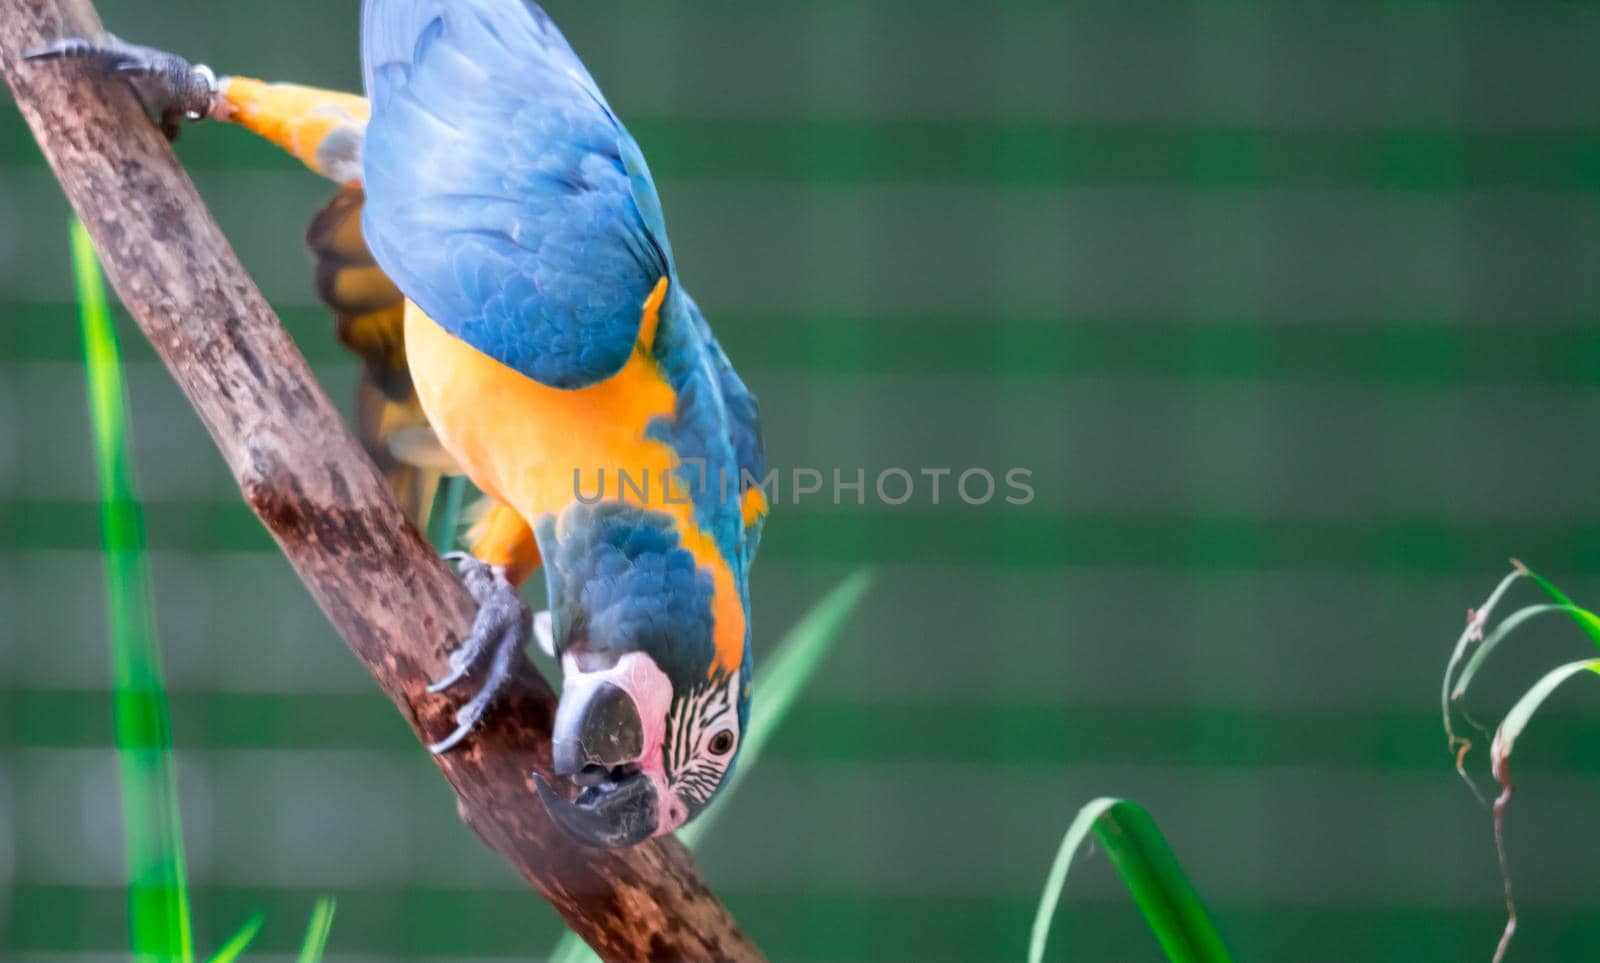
column 370, row 312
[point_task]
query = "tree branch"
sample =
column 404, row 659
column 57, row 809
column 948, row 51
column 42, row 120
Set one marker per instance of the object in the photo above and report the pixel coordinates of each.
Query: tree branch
column 380, row 584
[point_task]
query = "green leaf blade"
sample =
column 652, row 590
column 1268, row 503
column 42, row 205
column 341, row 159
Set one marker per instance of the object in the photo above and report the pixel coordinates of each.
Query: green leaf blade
column 1522, row 712
column 158, row 889
column 317, row 930
column 240, row 941
column 1140, row 854
column 1501, row 632
column 1586, row 620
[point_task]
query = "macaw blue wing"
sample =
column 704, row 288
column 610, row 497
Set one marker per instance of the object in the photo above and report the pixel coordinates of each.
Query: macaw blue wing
column 503, row 196
column 742, row 414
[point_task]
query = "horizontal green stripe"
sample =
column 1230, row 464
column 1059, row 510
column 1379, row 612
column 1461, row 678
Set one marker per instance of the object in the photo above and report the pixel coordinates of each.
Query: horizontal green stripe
column 43, row 332
column 833, row 731
column 1402, row 354
column 996, row 535
column 1052, row 155
column 806, row 924
column 1440, row 354
column 1033, row 155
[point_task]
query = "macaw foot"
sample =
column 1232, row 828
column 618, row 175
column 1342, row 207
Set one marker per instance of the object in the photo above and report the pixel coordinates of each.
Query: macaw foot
column 166, row 83
column 503, row 626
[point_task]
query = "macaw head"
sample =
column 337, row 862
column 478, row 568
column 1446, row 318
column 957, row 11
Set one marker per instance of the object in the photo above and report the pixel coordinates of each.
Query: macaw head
column 649, row 723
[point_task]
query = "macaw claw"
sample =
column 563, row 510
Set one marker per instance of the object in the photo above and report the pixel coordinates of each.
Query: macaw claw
column 164, row 82
column 503, row 626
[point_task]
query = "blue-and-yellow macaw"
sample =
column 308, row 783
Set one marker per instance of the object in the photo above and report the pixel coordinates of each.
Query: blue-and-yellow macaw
column 517, row 240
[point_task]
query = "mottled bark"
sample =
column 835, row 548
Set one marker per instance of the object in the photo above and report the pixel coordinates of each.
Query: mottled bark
column 385, row 591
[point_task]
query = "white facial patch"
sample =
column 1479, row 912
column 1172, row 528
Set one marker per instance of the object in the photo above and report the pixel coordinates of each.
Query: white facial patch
column 697, row 728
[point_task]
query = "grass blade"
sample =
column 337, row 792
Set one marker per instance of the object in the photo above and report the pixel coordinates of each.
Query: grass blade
column 1586, row 620
column 240, row 941
column 1522, row 713
column 1505, row 738
column 1476, row 620
column 1458, row 678
column 158, row 890
column 442, row 530
column 1140, row 854
column 783, row 676
column 1492, row 641
column 317, row 930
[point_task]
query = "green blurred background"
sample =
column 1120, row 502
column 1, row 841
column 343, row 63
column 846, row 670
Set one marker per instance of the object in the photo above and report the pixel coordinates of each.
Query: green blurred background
column 1288, row 306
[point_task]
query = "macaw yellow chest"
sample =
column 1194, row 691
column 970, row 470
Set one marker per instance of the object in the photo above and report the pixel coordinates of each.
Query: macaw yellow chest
column 529, row 445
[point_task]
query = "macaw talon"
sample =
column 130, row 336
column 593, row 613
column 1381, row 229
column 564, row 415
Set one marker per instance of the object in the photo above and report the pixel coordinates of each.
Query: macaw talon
column 503, row 626
column 164, row 82
column 461, row 661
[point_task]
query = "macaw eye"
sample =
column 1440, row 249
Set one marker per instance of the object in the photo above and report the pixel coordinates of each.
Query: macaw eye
column 722, row 743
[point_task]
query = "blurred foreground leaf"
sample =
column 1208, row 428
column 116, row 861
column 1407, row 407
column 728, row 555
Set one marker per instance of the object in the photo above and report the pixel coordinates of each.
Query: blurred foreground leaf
column 240, row 941
column 158, row 887
column 160, row 927
column 317, row 931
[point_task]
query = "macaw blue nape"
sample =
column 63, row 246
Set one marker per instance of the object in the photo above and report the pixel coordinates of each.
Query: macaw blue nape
column 528, row 316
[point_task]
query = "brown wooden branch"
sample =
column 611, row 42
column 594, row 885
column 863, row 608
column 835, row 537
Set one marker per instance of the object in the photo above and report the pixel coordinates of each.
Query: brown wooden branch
column 380, row 584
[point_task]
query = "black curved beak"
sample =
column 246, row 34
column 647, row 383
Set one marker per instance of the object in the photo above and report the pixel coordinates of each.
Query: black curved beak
column 597, row 737
column 611, row 815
